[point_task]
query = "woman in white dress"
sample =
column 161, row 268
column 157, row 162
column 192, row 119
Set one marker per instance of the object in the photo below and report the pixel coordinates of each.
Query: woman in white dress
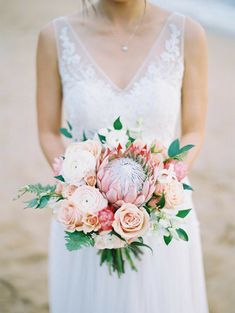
column 131, row 59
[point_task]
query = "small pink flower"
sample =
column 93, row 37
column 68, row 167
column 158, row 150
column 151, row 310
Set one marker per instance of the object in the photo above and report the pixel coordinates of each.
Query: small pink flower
column 57, row 165
column 59, row 188
column 69, row 216
column 180, row 168
column 106, row 218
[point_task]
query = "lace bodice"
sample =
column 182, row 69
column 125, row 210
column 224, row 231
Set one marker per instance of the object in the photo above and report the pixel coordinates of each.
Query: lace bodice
column 93, row 101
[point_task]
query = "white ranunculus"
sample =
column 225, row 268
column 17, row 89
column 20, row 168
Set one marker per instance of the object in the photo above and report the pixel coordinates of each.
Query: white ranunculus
column 88, row 199
column 116, row 137
column 105, row 240
column 77, row 164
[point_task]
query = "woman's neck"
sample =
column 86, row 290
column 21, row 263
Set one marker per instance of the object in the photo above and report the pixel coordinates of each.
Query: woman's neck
column 120, row 12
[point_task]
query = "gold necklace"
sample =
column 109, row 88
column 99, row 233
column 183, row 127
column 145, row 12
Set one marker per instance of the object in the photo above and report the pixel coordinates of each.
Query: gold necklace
column 124, row 46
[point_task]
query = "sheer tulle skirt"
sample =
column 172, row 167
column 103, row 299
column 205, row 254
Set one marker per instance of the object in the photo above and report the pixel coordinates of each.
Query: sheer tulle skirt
column 169, row 281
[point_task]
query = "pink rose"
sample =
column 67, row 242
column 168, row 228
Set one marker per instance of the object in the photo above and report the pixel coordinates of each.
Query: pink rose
column 88, row 199
column 106, row 218
column 68, row 191
column 180, row 168
column 130, row 221
column 174, row 194
column 69, row 216
column 90, row 223
column 57, row 165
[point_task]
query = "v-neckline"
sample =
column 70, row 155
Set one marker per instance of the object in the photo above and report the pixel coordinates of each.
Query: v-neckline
column 99, row 69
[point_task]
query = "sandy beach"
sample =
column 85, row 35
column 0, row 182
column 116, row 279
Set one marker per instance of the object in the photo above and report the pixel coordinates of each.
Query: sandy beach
column 24, row 233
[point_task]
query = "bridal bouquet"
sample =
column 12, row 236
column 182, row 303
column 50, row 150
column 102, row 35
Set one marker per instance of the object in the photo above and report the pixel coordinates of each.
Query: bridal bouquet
column 113, row 190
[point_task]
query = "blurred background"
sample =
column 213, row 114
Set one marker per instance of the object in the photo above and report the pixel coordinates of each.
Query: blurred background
column 24, row 234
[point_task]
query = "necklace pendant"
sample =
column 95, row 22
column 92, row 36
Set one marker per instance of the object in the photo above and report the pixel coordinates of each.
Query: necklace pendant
column 124, row 48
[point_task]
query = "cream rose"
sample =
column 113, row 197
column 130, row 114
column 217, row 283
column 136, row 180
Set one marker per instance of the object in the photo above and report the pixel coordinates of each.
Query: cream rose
column 88, row 199
column 92, row 146
column 77, row 165
column 174, row 194
column 69, row 216
column 166, row 176
column 105, row 240
column 130, row 221
column 90, row 223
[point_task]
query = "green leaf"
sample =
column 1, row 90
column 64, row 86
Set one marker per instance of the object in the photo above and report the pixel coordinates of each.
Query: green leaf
column 141, row 244
column 117, row 124
column 119, row 261
column 102, row 138
column 78, row 240
column 65, row 132
column 60, row 177
column 161, row 202
column 186, row 148
column 129, row 259
column 187, row 187
column 84, row 137
column 167, row 239
column 183, row 213
column 33, row 203
column 69, row 126
column 43, row 202
column 174, row 148
column 182, row 234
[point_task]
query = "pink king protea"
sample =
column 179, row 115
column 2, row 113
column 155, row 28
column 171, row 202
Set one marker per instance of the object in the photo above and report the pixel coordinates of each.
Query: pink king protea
column 128, row 177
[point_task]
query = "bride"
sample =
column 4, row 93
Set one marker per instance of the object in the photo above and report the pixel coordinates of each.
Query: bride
column 132, row 59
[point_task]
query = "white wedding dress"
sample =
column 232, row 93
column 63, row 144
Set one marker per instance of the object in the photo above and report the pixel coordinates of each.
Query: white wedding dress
column 172, row 279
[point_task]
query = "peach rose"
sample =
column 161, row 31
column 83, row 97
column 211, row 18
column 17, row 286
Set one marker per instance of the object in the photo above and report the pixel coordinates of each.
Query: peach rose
column 174, row 194
column 68, row 190
column 69, row 216
column 105, row 240
column 90, row 223
column 88, row 199
column 130, row 221
column 90, row 179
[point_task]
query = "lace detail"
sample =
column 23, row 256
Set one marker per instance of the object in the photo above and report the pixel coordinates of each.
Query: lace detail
column 92, row 101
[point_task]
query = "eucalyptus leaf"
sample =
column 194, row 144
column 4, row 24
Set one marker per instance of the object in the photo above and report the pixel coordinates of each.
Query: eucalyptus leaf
column 66, row 133
column 161, row 203
column 102, row 138
column 167, row 239
column 33, row 203
column 117, row 124
column 174, row 148
column 43, row 202
column 186, row 148
column 187, row 187
column 69, row 125
column 60, row 177
column 183, row 213
column 182, row 234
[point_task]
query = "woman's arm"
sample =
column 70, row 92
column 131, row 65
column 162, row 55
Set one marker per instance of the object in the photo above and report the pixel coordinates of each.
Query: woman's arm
column 49, row 95
column 194, row 93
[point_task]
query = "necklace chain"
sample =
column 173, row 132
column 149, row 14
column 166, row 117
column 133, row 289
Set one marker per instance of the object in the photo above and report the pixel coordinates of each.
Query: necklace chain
column 125, row 45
